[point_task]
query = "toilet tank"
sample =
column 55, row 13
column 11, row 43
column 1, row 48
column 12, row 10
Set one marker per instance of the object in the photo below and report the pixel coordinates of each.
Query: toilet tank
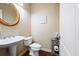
column 27, row 41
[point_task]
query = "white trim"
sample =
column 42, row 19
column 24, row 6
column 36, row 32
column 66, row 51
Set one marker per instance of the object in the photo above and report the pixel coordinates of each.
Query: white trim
column 64, row 51
column 45, row 49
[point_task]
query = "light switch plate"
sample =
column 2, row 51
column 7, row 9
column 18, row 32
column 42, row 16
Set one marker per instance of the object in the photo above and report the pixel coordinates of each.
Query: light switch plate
column 43, row 20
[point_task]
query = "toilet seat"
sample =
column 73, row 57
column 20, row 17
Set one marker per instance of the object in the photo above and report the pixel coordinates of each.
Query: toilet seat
column 35, row 46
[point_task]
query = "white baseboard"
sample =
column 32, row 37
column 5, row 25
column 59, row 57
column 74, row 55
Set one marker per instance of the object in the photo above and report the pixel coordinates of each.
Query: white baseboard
column 45, row 49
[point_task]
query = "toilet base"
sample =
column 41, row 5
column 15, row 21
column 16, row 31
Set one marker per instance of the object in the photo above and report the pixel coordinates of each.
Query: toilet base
column 34, row 53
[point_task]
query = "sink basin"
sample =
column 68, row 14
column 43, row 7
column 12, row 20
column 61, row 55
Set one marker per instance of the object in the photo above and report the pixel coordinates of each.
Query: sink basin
column 11, row 43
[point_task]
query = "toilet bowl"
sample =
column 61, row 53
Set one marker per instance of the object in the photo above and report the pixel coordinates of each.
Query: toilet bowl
column 34, row 47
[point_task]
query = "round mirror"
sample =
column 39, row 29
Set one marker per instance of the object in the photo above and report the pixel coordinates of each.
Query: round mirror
column 9, row 15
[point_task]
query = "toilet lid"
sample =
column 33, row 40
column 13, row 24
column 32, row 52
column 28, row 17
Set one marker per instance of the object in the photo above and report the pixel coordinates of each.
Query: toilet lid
column 35, row 45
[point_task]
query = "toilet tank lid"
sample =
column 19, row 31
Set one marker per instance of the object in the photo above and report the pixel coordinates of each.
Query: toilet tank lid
column 35, row 45
column 27, row 38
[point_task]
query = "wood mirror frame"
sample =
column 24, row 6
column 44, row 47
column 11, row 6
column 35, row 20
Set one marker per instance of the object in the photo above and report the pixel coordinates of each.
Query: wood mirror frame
column 4, row 22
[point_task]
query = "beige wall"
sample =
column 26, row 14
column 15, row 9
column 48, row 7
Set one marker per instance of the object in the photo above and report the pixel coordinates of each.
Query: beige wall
column 30, row 25
column 23, row 28
column 42, row 32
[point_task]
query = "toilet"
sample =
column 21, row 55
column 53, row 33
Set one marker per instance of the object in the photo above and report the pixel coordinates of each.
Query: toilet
column 34, row 47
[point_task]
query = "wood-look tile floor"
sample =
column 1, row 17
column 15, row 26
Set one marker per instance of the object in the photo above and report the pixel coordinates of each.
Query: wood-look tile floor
column 41, row 53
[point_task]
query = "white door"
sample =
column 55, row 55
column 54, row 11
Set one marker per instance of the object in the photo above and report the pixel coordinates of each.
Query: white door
column 67, row 28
